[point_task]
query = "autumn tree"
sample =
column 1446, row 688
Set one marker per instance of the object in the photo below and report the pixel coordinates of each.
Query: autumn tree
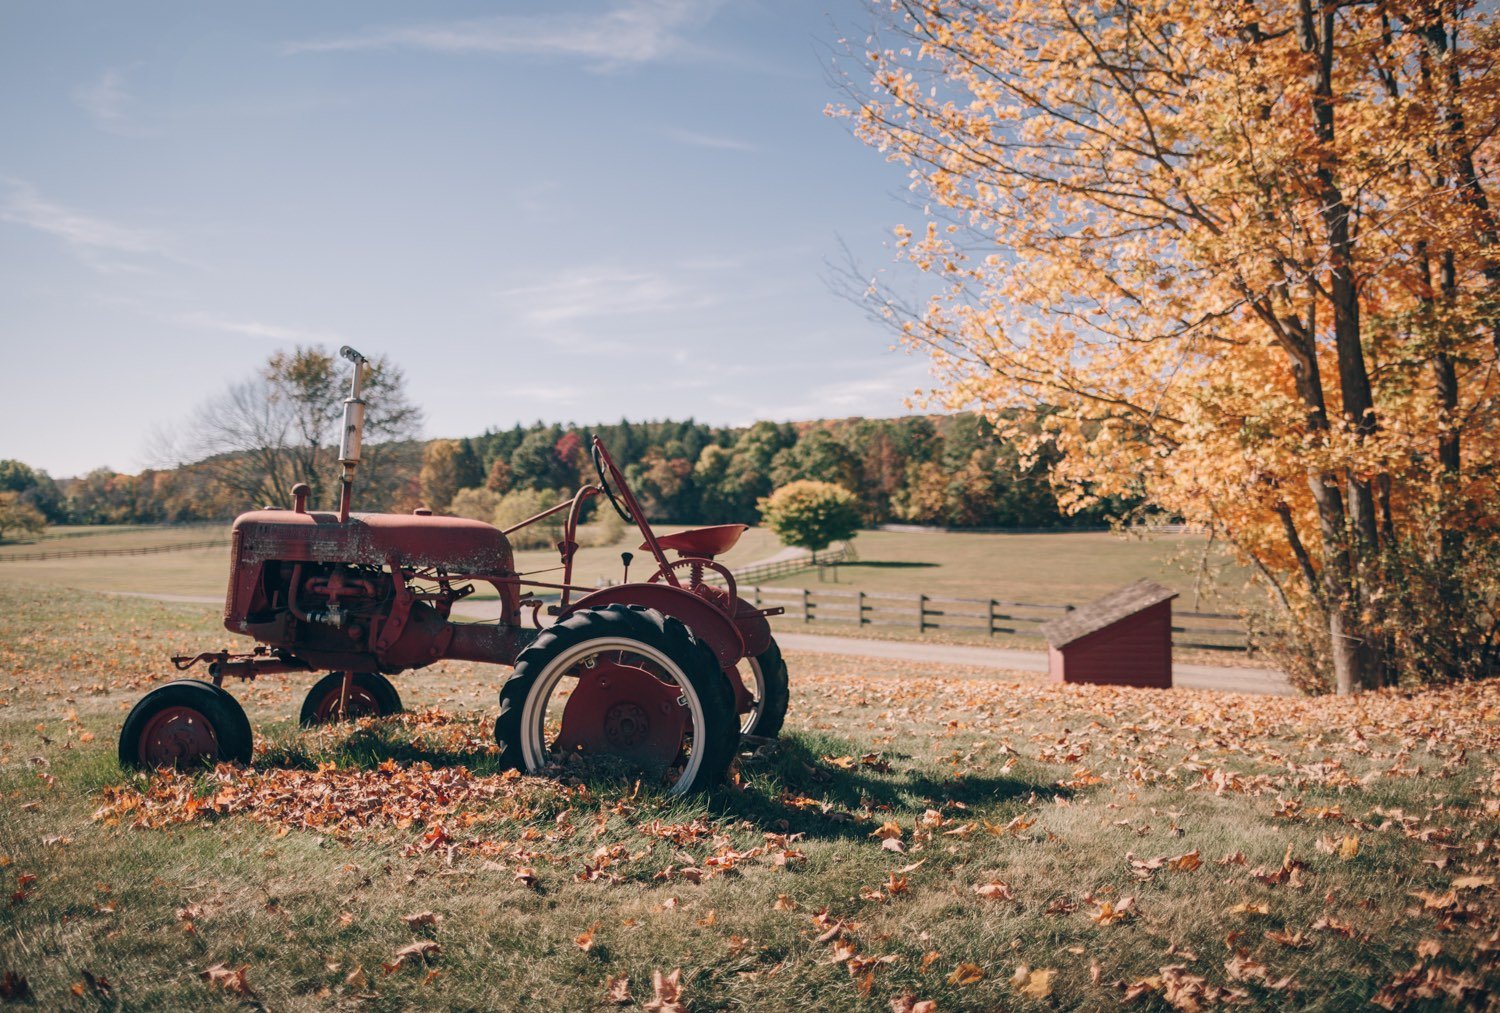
column 266, row 434
column 811, row 515
column 17, row 517
column 441, row 464
column 1243, row 256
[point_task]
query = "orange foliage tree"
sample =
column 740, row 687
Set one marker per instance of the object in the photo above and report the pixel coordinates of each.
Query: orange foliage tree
column 1239, row 256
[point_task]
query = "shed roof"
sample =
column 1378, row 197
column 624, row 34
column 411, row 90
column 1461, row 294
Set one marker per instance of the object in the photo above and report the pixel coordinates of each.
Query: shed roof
column 1101, row 612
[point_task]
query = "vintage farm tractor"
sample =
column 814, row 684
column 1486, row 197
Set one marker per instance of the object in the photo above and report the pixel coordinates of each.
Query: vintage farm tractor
column 662, row 675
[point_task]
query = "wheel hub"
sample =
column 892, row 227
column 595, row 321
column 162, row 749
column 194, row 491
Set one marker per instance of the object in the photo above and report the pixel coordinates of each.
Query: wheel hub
column 621, row 710
column 360, row 703
column 177, row 737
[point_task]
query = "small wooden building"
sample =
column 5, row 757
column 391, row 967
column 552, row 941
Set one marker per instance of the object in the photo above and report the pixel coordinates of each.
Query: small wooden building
column 1122, row 639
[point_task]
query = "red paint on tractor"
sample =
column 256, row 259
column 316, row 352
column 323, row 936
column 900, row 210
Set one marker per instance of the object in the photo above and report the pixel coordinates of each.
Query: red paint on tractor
column 325, row 590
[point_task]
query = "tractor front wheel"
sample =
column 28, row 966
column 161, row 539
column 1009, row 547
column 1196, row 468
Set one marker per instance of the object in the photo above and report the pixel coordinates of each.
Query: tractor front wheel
column 370, row 695
column 625, row 685
column 185, row 724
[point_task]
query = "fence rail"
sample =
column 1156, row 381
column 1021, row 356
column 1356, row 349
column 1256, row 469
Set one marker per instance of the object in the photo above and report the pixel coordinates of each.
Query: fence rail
column 794, row 564
column 1215, row 631
column 137, row 550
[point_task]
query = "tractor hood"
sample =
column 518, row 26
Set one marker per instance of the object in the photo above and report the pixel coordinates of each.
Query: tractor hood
column 456, row 544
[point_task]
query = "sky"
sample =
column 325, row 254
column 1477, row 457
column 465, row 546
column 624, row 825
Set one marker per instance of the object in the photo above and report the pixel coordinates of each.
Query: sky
column 576, row 210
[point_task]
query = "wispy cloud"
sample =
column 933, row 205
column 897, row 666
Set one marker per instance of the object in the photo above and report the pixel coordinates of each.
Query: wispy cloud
column 715, row 141
column 601, row 292
column 98, row 241
column 628, row 32
column 109, row 101
column 257, row 329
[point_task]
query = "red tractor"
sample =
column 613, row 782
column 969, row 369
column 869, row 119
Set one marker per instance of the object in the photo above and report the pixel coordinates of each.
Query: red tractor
column 662, row 674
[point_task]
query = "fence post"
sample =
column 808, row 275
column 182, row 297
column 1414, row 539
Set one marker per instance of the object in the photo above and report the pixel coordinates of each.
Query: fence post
column 921, row 613
column 992, row 617
column 756, row 589
column 859, row 608
column 806, row 605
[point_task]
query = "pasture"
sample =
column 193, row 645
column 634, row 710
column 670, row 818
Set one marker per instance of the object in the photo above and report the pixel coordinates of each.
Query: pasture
column 922, row 834
column 1057, row 568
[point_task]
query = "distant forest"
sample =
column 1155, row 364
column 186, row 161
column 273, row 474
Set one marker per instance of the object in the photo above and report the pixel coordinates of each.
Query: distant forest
column 949, row 470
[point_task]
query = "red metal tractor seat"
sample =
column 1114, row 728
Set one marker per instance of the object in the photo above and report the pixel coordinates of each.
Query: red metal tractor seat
column 706, row 543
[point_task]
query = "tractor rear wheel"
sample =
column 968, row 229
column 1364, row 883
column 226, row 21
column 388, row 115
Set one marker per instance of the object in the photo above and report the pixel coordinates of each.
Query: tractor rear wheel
column 771, row 687
column 371, row 695
column 622, row 684
column 185, row 724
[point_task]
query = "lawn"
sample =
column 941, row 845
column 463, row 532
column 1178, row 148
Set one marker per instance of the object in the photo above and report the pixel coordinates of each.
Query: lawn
column 1060, row 568
column 929, row 834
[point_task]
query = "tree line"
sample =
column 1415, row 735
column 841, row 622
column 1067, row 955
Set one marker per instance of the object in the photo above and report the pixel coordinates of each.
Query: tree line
column 953, row 470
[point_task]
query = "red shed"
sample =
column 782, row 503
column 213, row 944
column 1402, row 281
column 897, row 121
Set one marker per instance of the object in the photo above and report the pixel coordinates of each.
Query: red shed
column 1123, row 639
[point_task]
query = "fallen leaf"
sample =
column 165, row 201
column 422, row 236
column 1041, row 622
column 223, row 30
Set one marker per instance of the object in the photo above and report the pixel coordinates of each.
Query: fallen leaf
column 1033, row 984
column 667, row 989
column 422, row 918
column 585, row 939
column 617, row 991
column 994, row 890
column 966, row 974
column 229, row 980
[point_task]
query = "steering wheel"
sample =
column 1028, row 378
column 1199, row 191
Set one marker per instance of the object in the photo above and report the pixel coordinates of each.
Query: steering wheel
column 695, row 566
column 604, row 484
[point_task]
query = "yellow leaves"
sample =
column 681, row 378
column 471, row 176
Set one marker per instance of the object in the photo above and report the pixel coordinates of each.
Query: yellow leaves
column 966, row 974
column 585, row 939
column 1186, row 862
column 784, row 903
column 526, row 876
column 1346, row 847
column 1108, row 913
column 1033, row 984
column 1250, row 908
column 889, row 830
column 1472, row 882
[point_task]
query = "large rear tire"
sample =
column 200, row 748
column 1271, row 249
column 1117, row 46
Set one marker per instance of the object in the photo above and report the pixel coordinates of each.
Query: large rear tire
column 623, row 682
column 370, row 695
column 185, row 724
column 771, row 687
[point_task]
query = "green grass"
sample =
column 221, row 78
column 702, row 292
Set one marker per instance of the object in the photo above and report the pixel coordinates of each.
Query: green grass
column 1071, row 567
column 1060, row 568
column 311, row 901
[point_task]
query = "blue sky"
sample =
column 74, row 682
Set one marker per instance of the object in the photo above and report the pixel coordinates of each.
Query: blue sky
column 565, row 211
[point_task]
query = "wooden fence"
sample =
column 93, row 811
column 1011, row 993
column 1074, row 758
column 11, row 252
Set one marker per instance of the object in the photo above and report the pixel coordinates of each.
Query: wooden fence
column 138, row 550
column 1215, row 631
column 795, row 564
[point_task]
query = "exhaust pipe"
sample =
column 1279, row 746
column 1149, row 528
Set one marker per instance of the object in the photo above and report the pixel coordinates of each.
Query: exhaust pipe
column 354, row 428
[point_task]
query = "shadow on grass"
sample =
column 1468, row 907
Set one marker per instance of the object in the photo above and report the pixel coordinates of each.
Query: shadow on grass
column 793, row 792
column 787, row 787
column 368, row 746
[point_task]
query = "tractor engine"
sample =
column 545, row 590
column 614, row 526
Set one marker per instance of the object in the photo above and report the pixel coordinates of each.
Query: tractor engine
column 372, row 593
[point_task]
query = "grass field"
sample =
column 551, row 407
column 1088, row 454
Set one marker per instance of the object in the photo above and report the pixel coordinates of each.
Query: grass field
column 1058, row 568
column 921, row 835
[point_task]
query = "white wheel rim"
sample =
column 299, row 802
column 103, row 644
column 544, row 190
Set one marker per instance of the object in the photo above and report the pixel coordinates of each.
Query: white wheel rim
column 534, row 750
column 758, row 679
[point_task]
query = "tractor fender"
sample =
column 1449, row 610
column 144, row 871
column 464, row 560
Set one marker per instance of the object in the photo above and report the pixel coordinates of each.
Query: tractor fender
column 753, row 627
column 705, row 621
